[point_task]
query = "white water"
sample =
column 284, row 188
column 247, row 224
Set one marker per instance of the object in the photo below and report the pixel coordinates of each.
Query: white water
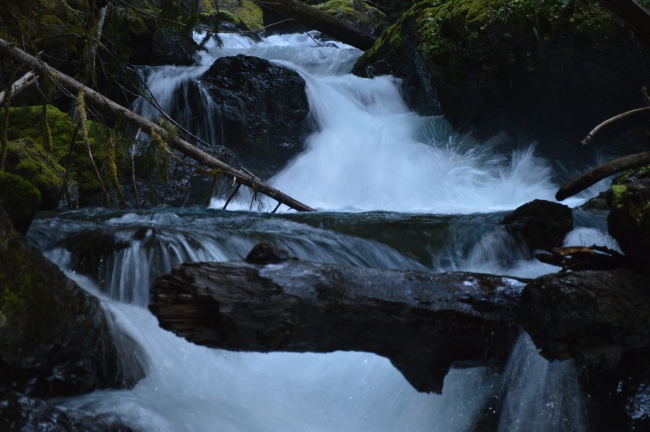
column 369, row 152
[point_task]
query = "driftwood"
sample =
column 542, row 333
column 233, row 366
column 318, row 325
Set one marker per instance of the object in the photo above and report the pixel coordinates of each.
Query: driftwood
column 178, row 143
column 22, row 83
column 320, row 21
column 422, row 322
column 601, row 172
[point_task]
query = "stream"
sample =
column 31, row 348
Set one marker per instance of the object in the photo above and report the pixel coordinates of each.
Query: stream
column 394, row 190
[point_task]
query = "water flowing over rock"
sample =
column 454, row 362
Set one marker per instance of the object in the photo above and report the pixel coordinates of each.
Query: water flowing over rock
column 261, row 110
column 540, row 71
column 429, row 323
column 54, row 337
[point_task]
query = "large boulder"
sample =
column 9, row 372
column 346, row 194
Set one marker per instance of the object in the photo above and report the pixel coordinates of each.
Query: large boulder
column 55, row 339
column 545, row 71
column 261, row 108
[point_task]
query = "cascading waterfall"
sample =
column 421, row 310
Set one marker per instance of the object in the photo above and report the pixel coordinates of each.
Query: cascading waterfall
column 368, row 153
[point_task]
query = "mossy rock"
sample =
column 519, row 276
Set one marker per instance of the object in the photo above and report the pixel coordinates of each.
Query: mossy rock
column 27, row 159
column 20, row 199
column 26, row 128
column 538, row 70
column 54, row 337
column 361, row 15
column 629, row 220
column 247, row 12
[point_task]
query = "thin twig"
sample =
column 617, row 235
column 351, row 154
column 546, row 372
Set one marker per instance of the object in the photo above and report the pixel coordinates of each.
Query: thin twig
column 609, row 121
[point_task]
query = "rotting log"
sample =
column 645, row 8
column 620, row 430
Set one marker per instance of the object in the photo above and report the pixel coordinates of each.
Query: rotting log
column 422, row 322
column 100, row 101
column 321, row 21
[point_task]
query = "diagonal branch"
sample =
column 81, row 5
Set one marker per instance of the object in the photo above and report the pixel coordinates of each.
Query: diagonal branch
column 100, row 101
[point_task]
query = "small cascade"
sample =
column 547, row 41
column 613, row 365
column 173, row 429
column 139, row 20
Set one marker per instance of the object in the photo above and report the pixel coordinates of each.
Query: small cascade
column 551, row 402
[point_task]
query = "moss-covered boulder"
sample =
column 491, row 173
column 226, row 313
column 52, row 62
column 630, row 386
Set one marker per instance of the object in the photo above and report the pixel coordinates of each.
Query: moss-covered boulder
column 27, row 159
column 54, row 337
column 358, row 13
column 540, row 70
column 20, row 199
column 246, row 13
column 629, row 220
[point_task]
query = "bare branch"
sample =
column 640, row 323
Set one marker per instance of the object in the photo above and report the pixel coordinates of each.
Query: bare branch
column 614, row 119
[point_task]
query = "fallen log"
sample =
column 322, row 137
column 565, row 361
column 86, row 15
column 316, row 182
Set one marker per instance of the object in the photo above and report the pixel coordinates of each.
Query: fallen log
column 422, row 322
column 102, row 102
column 321, row 21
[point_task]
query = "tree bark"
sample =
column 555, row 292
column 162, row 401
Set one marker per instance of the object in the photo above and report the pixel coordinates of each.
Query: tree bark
column 321, row 21
column 22, row 83
column 422, row 322
column 100, row 101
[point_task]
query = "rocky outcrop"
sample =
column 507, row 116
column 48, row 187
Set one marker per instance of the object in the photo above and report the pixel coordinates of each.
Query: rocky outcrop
column 261, row 108
column 172, row 49
column 540, row 71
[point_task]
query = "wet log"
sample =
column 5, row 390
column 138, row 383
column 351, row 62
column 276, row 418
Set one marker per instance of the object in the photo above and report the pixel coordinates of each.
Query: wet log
column 321, row 21
column 100, row 101
column 423, row 322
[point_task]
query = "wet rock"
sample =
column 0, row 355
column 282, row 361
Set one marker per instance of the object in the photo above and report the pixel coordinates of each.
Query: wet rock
column 261, row 109
column 540, row 224
column 629, row 220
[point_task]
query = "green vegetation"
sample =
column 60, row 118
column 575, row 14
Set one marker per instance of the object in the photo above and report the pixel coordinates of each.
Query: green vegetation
column 485, row 38
column 357, row 12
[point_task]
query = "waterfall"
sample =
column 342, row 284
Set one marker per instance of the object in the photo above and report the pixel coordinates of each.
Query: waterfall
column 368, row 152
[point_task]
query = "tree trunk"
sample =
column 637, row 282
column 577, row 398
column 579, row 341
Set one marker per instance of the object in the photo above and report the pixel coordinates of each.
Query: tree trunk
column 321, row 21
column 179, row 144
column 422, row 322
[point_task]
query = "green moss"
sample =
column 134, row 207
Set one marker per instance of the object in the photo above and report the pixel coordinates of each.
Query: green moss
column 618, row 192
column 25, row 124
column 484, row 39
column 247, row 11
column 16, row 192
column 358, row 13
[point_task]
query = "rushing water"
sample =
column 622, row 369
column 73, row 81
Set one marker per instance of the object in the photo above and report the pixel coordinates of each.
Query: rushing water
column 398, row 191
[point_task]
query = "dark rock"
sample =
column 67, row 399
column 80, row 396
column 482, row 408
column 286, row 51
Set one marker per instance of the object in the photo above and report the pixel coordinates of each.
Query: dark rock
column 54, row 337
column 261, row 108
column 629, row 220
column 266, row 253
column 172, row 48
column 592, row 316
column 540, row 71
column 20, row 199
column 540, row 224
